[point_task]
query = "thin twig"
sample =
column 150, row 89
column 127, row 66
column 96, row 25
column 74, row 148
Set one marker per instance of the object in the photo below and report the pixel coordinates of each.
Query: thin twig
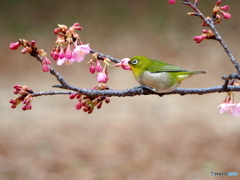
column 101, row 55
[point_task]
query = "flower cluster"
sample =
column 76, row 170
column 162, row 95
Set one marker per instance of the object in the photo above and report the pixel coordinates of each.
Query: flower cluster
column 25, row 97
column 68, row 46
column 228, row 106
column 217, row 13
column 95, row 66
column 217, row 17
column 30, row 47
column 87, row 104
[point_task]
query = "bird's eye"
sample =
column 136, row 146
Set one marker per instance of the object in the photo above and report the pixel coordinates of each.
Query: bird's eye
column 135, row 61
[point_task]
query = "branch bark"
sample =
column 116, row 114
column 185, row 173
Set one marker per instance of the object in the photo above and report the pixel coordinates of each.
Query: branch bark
column 137, row 91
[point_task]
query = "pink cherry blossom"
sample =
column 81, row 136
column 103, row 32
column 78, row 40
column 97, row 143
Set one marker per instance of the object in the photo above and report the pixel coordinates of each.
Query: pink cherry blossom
column 80, row 51
column 227, row 107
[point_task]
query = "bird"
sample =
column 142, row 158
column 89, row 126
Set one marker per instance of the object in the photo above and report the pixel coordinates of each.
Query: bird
column 157, row 75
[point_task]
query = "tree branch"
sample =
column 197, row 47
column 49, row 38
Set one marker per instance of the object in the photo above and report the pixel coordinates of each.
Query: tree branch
column 138, row 90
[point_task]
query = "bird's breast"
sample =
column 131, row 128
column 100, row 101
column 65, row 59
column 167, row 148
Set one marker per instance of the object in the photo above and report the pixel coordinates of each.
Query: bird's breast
column 160, row 82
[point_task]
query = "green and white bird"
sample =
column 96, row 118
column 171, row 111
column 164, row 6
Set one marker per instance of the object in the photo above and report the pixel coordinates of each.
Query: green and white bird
column 158, row 75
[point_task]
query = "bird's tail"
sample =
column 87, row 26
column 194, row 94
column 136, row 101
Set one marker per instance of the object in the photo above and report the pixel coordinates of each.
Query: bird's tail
column 198, row 72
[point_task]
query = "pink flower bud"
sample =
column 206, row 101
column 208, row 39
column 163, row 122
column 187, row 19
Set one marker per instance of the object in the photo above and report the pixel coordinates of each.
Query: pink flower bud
column 98, row 66
column 17, row 87
column 218, row 2
column 92, row 68
column 171, row 1
column 14, row 46
column 33, row 43
column 226, row 7
column 78, row 105
column 205, row 31
column 72, row 96
column 107, row 100
column 61, row 54
column 45, row 64
column 86, row 109
column 25, row 50
column 102, row 77
column 226, row 15
column 47, row 60
column 45, row 67
column 77, row 26
column 99, row 105
column 13, row 101
column 54, row 54
column 78, row 96
column 56, row 30
column 27, row 107
column 68, row 52
column 199, row 39
column 13, row 106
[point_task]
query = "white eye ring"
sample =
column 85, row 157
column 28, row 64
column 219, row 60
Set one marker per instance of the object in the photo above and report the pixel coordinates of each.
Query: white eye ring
column 135, row 61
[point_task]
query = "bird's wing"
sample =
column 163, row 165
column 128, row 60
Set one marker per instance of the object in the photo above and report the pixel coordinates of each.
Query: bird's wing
column 166, row 68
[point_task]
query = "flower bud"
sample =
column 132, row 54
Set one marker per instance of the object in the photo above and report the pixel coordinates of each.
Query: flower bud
column 226, row 7
column 171, row 1
column 98, row 66
column 226, row 15
column 102, row 77
column 15, row 45
column 218, row 2
column 92, row 68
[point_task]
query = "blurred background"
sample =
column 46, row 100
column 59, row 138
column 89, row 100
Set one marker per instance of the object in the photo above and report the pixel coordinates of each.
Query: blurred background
column 131, row 138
